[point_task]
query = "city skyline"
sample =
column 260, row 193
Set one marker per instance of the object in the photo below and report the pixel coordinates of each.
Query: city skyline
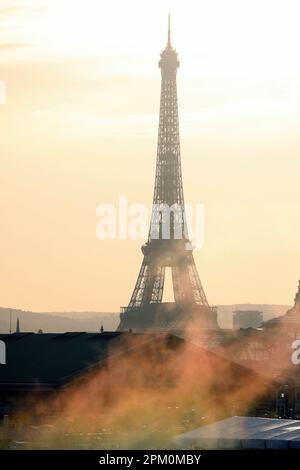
column 76, row 114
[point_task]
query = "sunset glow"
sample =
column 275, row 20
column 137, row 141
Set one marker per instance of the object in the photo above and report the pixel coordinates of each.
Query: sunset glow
column 77, row 128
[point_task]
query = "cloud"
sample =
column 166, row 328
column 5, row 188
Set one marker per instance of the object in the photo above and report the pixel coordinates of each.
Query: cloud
column 11, row 46
column 11, row 10
column 5, row 11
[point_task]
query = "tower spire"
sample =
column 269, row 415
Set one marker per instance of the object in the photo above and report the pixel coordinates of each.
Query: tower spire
column 169, row 29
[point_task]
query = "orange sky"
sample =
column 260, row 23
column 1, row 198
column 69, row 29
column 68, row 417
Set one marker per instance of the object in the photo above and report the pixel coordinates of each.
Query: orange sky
column 80, row 126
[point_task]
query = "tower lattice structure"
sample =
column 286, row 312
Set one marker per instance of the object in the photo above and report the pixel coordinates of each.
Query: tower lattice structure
column 168, row 244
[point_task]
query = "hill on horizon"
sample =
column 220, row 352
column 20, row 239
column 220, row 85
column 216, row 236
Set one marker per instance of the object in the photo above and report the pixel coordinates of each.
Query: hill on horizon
column 60, row 322
column 57, row 322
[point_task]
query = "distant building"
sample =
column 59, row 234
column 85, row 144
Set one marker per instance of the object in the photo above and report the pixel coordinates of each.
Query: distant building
column 247, row 319
column 18, row 326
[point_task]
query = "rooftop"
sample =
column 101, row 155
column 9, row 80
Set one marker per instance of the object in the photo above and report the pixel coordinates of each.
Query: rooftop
column 241, row 432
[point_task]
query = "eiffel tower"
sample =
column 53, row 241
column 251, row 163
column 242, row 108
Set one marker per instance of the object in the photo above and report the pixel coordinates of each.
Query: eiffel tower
column 168, row 244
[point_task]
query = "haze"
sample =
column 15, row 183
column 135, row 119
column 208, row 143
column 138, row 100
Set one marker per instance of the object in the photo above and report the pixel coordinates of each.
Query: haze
column 79, row 128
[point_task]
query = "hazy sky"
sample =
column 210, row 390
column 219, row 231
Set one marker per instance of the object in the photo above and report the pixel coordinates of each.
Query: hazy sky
column 79, row 128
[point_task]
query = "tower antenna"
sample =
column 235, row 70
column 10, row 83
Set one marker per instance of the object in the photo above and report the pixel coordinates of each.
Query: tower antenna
column 169, row 29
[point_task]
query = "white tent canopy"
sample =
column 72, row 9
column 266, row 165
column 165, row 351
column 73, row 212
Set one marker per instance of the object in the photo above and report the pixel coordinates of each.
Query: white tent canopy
column 241, row 432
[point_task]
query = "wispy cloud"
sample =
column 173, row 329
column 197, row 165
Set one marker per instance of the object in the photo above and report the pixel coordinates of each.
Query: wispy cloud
column 11, row 46
column 6, row 11
column 18, row 8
